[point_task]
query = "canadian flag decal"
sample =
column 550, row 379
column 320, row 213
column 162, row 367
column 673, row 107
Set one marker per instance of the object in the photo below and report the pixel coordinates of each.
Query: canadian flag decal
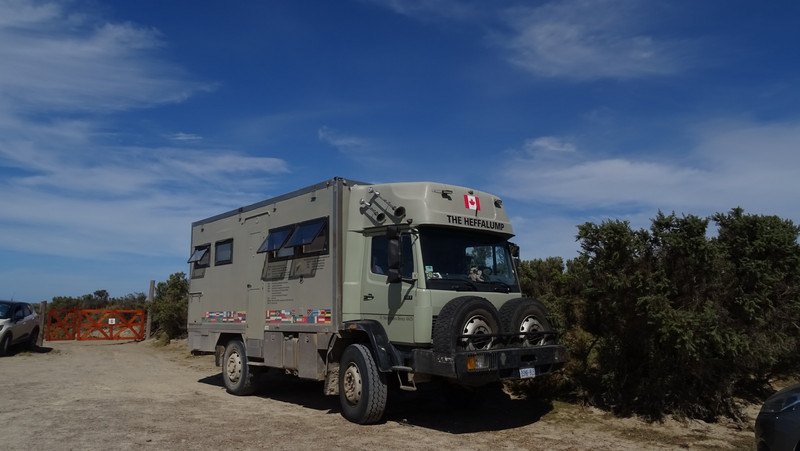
column 472, row 202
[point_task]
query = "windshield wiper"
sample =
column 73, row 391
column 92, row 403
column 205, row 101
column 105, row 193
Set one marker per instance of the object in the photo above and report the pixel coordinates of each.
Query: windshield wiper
column 462, row 285
column 502, row 288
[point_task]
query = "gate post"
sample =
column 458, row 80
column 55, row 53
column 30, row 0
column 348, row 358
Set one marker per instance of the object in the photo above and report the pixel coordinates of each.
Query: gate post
column 42, row 323
column 149, row 310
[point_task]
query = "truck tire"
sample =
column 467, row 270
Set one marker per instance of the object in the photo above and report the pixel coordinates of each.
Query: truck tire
column 238, row 376
column 362, row 388
column 466, row 315
column 526, row 315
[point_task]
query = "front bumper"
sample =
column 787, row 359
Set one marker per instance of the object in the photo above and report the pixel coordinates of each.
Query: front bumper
column 475, row 368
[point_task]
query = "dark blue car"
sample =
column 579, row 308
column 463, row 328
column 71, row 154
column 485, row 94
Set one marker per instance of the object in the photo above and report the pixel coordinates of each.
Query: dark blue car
column 778, row 423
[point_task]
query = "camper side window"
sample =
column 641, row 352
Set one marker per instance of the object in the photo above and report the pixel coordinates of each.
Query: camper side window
column 303, row 239
column 201, row 257
column 200, row 260
column 223, row 252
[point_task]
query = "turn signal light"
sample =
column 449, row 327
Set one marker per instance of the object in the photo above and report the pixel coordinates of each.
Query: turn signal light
column 479, row 361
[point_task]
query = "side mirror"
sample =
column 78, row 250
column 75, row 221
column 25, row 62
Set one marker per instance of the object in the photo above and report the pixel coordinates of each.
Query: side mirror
column 514, row 254
column 394, row 254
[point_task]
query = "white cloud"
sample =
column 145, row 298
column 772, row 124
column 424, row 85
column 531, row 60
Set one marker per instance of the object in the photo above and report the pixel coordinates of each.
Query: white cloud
column 586, row 39
column 427, row 9
column 343, row 142
column 572, row 39
column 549, row 144
column 80, row 65
column 138, row 201
column 64, row 190
column 732, row 164
column 183, row 137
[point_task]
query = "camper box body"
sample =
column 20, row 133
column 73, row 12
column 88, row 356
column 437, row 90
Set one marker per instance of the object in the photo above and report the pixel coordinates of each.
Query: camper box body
column 293, row 281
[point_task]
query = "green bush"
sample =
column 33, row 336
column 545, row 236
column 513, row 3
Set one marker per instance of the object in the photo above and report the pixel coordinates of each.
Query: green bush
column 670, row 321
column 169, row 309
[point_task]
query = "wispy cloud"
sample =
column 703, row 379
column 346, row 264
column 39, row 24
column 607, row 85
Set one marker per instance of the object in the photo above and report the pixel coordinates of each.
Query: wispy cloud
column 732, row 163
column 428, row 9
column 56, row 61
column 586, row 39
column 350, row 145
column 184, row 137
column 572, row 39
column 549, row 144
column 134, row 200
column 65, row 190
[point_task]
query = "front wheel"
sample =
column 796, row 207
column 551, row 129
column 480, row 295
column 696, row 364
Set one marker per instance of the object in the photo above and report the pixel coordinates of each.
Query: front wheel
column 362, row 388
column 238, row 376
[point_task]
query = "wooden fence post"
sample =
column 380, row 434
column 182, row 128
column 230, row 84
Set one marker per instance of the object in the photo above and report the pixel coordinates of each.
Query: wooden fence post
column 42, row 323
column 149, row 310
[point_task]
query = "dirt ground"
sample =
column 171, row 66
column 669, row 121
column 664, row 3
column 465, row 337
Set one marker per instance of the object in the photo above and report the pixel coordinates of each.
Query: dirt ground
column 131, row 395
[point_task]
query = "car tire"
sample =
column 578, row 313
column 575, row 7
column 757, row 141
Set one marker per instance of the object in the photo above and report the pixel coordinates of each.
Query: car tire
column 466, row 315
column 526, row 315
column 238, row 376
column 362, row 387
column 33, row 338
column 5, row 342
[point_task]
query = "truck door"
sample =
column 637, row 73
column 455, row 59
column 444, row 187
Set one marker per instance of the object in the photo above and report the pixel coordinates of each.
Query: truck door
column 390, row 304
column 256, row 302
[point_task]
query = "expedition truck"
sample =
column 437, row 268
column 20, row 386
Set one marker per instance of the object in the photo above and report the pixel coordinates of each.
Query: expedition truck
column 362, row 286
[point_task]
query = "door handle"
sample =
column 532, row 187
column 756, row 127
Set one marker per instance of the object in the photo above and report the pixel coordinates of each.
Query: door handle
column 369, row 297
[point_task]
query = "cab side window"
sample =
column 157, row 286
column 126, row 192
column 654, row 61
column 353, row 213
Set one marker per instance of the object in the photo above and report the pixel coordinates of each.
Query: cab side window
column 379, row 257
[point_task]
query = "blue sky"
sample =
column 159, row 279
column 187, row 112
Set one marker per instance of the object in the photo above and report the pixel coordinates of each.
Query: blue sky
column 121, row 122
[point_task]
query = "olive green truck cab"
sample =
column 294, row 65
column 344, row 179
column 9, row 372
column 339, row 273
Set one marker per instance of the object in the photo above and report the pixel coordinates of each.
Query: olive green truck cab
column 364, row 286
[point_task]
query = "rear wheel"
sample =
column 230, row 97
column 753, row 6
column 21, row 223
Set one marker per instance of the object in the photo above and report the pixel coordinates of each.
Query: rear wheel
column 362, row 388
column 472, row 316
column 239, row 377
column 33, row 338
column 528, row 317
column 4, row 343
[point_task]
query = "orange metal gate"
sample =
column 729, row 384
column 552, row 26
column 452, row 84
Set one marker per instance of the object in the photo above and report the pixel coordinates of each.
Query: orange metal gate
column 95, row 324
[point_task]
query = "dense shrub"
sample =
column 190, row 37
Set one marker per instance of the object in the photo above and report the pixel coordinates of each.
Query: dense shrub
column 100, row 299
column 670, row 321
column 170, row 306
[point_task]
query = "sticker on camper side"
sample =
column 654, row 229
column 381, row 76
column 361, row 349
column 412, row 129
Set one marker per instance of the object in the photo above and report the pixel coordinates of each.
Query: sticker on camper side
column 315, row 316
column 225, row 317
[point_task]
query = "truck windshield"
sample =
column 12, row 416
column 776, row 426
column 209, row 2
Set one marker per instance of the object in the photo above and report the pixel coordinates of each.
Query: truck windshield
column 467, row 261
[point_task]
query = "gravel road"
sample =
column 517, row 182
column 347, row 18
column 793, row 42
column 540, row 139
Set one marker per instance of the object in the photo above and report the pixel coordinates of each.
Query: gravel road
column 133, row 395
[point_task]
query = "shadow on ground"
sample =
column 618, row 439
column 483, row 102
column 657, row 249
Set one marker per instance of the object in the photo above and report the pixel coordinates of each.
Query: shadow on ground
column 23, row 350
column 488, row 409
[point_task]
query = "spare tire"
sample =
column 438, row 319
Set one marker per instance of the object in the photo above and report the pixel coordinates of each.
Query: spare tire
column 527, row 316
column 466, row 315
